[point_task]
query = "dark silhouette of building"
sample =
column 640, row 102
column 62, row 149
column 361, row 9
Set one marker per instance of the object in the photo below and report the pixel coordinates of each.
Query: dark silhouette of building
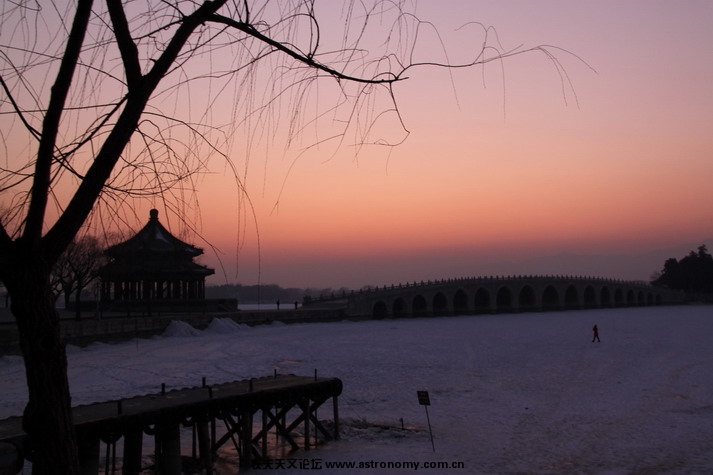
column 153, row 269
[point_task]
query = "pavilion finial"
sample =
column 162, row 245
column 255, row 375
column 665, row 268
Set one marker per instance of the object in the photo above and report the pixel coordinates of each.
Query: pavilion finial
column 153, row 215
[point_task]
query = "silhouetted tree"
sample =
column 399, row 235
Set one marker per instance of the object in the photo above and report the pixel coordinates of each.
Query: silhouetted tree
column 4, row 294
column 104, row 102
column 692, row 274
column 77, row 268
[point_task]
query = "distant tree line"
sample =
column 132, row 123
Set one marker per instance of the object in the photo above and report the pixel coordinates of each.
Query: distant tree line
column 266, row 293
column 78, row 268
column 692, row 274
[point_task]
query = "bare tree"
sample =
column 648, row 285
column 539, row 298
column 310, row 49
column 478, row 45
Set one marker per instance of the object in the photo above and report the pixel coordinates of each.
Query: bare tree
column 77, row 268
column 104, row 103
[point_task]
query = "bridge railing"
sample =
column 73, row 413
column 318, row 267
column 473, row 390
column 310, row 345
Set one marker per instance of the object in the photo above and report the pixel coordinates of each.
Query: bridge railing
column 467, row 280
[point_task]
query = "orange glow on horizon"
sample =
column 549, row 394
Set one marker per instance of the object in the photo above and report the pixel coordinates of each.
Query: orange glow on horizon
column 503, row 163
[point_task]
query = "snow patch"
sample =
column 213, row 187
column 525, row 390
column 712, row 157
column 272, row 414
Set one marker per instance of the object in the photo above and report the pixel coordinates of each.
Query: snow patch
column 179, row 328
column 225, row 325
column 518, row 393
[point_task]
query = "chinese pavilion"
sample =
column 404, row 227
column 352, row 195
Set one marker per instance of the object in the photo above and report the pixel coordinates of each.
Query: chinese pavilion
column 153, row 268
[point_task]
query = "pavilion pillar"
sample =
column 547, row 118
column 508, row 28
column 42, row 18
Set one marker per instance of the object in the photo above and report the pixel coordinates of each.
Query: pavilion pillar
column 104, row 292
column 118, row 292
column 176, row 276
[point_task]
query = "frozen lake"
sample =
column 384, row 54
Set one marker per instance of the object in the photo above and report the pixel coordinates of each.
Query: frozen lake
column 521, row 393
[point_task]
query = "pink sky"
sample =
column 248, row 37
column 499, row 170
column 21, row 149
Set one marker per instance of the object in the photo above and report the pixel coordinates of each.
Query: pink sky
column 503, row 173
column 495, row 173
column 506, row 174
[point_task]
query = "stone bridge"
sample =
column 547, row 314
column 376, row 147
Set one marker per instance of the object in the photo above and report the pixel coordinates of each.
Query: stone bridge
column 476, row 295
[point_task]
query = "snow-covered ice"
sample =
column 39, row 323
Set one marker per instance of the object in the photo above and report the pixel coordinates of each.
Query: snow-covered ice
column 518, row 393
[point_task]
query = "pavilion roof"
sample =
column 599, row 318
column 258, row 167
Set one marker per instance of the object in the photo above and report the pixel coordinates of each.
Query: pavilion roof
column 153, row 239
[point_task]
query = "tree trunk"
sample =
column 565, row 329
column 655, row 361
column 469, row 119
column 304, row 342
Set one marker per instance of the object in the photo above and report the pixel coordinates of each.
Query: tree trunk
column 67, row 298
column 78, row 304
column 48, row 417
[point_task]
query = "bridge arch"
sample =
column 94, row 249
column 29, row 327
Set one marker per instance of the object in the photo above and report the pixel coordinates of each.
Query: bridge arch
column 419, row 306
column 550, row 298
column 440, row 304
column 481, row 303
column 503, row 299
column 398, row 309
column 571, row 297
column 605, row 297
column 618, row 297
column 590, row 297
column 460, row 302
column 504, row 294
column 380, row 310
column 527, row 301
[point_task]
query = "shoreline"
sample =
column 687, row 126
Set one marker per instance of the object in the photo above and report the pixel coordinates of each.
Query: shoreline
column 120, row 327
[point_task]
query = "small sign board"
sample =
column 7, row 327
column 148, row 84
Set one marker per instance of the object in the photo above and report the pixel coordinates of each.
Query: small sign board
column 425, row 400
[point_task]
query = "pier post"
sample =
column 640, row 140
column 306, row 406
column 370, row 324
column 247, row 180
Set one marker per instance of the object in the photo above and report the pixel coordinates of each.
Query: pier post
column 88, row 448
column 168, row 448
column 213, row 432
column 205, row 445
column 335, row 405
column 305, row 406
column 133, row 445
column 264, row 431
column 11, row 460
column 246, row 437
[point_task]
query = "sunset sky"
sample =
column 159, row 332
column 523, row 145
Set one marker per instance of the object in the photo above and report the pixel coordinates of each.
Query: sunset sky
column 495, row 173
column 521, row 166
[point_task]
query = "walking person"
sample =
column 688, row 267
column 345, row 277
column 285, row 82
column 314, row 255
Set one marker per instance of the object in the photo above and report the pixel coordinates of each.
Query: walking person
column 595, row 330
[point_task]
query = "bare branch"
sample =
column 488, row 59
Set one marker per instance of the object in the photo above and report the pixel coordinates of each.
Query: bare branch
column 50, row 126
column 308, row 59
column 126, row 45
column 79, row 207
column 20, row 113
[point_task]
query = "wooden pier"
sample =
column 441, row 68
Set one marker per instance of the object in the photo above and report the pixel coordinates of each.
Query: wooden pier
column 248, row 410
